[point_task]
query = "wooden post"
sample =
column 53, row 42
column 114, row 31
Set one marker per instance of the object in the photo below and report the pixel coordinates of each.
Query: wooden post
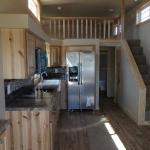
column 72, row 28
column 104, row 29
column 77, row 28
column 59, row 30
column 55, row 29
column 99, row 29
column 109, row 29
column 50, row 27
column 81, row 28
column 68, row 29
column 122, row 18
column 86, row 28
column 91, row 28
column 64, row 29
column 95, row 29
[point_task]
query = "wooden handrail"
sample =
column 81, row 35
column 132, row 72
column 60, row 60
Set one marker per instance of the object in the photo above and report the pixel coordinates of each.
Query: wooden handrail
column 74, row 18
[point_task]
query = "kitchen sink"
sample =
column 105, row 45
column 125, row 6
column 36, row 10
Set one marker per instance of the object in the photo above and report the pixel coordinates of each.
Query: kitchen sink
column 49, row 85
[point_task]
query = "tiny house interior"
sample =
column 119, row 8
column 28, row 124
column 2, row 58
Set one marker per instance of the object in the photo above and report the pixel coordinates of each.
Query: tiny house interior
column 74, row 75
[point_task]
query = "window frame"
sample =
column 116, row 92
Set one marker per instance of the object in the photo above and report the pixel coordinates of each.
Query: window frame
column 38, row 9
column 139, row 11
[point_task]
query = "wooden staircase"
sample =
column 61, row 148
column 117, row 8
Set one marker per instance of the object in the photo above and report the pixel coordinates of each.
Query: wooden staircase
column 140, row 59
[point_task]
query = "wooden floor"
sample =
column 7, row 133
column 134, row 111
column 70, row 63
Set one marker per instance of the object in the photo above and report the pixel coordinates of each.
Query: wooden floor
column 86, row 130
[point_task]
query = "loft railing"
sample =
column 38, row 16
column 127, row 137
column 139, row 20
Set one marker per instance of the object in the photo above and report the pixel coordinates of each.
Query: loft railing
column 82, row 27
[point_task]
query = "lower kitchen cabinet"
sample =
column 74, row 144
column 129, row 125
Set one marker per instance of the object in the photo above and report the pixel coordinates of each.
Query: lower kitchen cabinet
column 30, row 130
column 3, row 141
column 33, row 129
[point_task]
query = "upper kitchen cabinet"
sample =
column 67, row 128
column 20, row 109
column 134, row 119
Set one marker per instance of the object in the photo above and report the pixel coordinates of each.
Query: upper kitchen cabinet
column 39, row 43
column 18, row 48
column 31, row 45
column 56, row 56
column 14, row 53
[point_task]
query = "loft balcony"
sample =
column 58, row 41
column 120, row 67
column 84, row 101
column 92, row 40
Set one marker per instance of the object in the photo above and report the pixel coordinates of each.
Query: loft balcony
column 82, row 27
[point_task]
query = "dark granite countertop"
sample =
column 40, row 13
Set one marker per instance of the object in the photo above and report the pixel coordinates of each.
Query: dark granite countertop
column 3, row 126
column 36, row 101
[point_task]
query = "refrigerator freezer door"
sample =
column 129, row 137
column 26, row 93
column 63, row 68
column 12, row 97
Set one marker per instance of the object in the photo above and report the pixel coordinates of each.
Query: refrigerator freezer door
column 73, row 83
column 87, row 83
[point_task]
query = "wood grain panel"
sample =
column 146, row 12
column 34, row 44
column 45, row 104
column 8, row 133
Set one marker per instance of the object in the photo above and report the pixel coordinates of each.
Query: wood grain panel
column 56, row 56
column 14, row 53
column 28, row 130
column 31, row 45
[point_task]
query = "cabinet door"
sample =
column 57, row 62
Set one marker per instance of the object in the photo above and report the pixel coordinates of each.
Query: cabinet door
column 29, row 130
column 14, row 53
column 2, row 144
column 56, row 55
column 63, row 55
column 3, row 141
column 30, row 53
column 53, row 56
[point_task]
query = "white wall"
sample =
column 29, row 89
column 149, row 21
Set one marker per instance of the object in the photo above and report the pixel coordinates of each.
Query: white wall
column 13, row 6
column 14, row 21
column 128, row 88
column 141, row 31
column 23, row 21
column 144, row 36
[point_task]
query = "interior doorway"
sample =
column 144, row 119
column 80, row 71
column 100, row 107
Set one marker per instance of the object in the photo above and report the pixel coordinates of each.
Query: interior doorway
column 107, row 78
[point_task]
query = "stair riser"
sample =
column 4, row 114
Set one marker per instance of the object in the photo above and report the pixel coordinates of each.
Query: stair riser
column 140, row 60
column 137, row 50
column 148, row 104
column 143, row 70
column 148, row 93
column 147, row 82
column 134, row 43
column 146, row 77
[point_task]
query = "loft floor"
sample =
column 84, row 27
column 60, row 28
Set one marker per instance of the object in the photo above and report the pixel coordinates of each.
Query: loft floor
column 87, row 131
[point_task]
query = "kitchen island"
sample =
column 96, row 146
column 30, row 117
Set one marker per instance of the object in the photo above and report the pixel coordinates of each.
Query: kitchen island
column 33, row 121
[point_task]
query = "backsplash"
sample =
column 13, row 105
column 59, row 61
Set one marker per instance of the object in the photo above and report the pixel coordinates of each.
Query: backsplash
column 13, row 85
column 57, row 72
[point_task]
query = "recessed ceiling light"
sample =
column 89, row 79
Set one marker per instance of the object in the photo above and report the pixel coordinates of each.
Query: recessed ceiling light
column 135, row 0
column 59, row 7
column 111, row 10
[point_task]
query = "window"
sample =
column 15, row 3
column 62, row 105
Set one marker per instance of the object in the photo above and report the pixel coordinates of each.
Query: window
column 34, row 7
column 143, row 14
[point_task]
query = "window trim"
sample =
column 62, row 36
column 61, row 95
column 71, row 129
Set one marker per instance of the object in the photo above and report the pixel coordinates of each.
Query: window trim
column 38, row 15
column 138, row 22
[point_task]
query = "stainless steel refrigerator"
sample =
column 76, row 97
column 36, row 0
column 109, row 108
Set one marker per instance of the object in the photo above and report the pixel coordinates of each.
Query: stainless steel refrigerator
column 81, row 79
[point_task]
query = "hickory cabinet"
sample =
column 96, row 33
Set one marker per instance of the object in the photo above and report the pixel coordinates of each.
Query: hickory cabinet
column 30, row 40
column 14, row 53
column 56, row 56
column 3, row 141
column 18, row 50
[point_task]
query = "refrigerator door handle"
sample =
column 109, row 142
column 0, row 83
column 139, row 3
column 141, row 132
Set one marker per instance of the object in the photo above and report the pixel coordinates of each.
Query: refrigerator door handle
column 81, row 73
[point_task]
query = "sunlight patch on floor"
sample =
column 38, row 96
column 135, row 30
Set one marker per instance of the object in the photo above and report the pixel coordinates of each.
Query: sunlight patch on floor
column 114, row 136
